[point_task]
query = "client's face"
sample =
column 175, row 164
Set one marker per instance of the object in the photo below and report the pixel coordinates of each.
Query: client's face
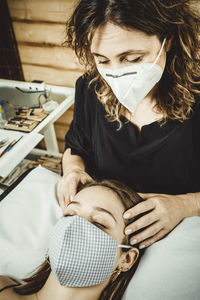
column 78, row 248
column 100, row 206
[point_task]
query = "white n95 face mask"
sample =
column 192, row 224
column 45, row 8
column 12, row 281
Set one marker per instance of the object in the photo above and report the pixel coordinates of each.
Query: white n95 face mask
column 131, row 84
column 80, row 253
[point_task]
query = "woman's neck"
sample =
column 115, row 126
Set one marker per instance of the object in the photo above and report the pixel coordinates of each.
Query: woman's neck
column 53, row 290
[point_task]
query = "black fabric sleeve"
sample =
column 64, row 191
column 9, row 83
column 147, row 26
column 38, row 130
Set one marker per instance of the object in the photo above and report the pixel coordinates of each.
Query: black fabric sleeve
column 194, row 159
column 79, row 136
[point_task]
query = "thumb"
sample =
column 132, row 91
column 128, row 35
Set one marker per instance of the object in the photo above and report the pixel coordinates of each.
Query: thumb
column 72, row 189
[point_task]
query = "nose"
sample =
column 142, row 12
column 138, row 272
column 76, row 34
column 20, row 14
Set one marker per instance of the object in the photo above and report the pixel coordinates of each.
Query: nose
column 115, row 65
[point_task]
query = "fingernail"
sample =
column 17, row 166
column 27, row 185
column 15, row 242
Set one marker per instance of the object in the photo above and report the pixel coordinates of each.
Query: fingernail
column 71, row 198
column 128, row 231
column 142, row 247
column 133, row 242
column 126, row 216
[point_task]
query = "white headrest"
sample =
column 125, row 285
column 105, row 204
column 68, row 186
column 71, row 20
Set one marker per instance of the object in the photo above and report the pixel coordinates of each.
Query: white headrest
column 27, row 215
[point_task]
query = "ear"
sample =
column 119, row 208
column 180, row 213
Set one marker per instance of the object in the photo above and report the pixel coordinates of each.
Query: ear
column 128, row 259
column 168, row 44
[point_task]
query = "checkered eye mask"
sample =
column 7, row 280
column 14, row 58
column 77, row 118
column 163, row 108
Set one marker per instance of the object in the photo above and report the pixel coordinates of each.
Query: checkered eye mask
column 80, row 253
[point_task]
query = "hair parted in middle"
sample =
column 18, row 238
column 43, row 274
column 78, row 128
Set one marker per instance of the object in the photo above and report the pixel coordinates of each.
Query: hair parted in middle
column 177, row 20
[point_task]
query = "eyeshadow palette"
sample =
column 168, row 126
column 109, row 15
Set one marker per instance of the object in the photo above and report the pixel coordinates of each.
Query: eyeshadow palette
column 26, row 119
column 36, row 114
column 21, row 124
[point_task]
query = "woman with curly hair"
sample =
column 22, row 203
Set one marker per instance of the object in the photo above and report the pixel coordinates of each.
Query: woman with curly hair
column 137, row 108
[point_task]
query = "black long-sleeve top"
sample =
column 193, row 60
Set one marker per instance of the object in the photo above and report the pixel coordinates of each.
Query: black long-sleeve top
column 158, row 159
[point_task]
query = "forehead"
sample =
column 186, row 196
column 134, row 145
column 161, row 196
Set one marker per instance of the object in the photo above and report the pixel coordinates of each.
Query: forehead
column 112, row 38
column 100, row 196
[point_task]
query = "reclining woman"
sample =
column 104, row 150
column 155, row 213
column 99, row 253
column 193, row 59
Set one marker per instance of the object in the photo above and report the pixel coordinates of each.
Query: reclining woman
column 89, row 254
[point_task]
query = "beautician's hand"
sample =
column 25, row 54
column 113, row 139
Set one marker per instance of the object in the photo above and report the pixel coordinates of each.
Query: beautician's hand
column 68, row 186
column 165, row 212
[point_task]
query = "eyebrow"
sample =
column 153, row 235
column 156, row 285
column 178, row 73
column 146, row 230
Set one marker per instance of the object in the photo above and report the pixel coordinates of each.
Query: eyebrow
column 123, row 53
column 95, row 208
column 106, row 211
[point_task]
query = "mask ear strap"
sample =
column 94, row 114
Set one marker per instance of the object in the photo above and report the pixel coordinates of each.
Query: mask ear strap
column 47, row 256
column 160, row 51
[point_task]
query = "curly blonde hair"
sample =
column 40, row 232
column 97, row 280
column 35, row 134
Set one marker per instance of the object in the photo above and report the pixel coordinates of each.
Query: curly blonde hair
column 178, row 20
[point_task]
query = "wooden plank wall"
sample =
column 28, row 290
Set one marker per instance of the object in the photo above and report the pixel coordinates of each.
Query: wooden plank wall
column 39, row 27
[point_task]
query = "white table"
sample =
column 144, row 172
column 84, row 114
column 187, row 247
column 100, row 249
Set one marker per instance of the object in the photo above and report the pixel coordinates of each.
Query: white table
column 45, row 129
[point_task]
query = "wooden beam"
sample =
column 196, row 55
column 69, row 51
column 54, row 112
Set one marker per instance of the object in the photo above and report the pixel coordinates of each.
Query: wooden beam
column 58, row 57
column 45, row 10
column 50, row 75
column 42, row 33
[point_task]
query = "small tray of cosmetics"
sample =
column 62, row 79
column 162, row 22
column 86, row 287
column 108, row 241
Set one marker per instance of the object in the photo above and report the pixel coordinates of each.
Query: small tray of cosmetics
column 26, row 119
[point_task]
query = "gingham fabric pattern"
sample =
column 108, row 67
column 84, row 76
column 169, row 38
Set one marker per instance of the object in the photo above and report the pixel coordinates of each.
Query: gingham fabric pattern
column 80, row 253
